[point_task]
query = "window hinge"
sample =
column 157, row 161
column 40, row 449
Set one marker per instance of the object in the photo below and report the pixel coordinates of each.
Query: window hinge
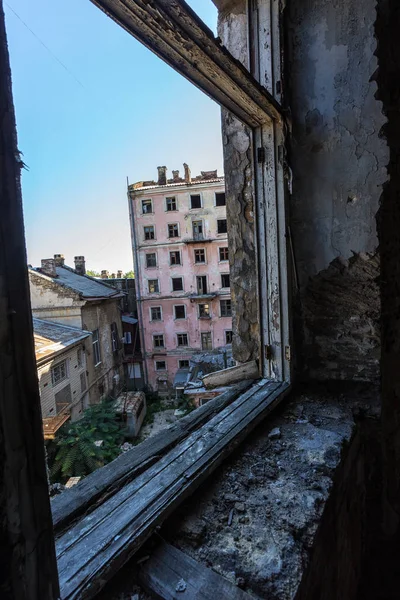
column 268, row 352
column 288, row 353
column 261, row 154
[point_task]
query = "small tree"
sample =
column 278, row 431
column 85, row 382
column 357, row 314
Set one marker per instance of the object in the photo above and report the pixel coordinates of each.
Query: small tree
column 76, row 453
column 130, row 275
column 92, row 273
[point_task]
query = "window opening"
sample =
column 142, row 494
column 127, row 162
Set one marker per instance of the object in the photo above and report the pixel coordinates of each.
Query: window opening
column 83, row 382
column 225, row 308
column 180, row 311
column 155, row 312
column 225, row 280
column 183, row 364
column 199, row 256
column 79, row 357
column 63, row 399
column 197, row 227
column 151, row 260
column 171, row 204
column 173, row 230
column 201, row 284
column 195, row 201
column 147, row 207
column 206, row 343
column 204, row 311
column 228, row 337
column 59, row 372
column 161, row 365
column 223, row 253
column 96, row 347
column 220, row 199
column 177, row 284
column 175, row 258
column 182, row 339
column 128, row 337
column 158, row 340
column 149, row 232
column 221, row 226
column 114, row 337
column 153, row 286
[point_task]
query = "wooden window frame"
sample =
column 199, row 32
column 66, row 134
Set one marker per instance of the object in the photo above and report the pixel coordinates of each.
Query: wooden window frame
column 151, row 314
column 63, row 363
column 148, row 239
column 172, row 237
column 179, row 264
column 96, row 347
column 200, row 262
column 171, row 198
column 151, row 254
column 178, row 345
column 158, row 286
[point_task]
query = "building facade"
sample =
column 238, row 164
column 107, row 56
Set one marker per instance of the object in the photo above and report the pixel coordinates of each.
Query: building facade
column 180, row 243
column 60, row 352
column 60, row 294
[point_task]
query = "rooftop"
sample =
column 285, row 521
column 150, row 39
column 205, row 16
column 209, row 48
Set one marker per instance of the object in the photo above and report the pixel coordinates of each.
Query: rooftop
column 53, row 338
column 205, row 178
column 85, row 286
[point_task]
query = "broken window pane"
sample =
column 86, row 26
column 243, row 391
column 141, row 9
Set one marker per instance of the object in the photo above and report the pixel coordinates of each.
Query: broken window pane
column 180, row 311
column 177, row 284
column 147, row 207
column 225, row 280
column 195, row 201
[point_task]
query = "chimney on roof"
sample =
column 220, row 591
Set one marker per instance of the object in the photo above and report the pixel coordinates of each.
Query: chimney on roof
column 49, row 267
column 59, row 260
column 162, row 175
column 104, row 274
column 113, row 276
column 175, row 176
column 119, row 274
column 188, row 176
column 80, row 266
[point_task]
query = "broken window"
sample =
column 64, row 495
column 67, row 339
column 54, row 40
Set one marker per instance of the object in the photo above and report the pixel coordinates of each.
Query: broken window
column 59, row 372
column 201, row 284
column 175, row 258
column 206, row 343
column 204, row 311
column 199, row 256
column 177, row 284
column 197, row 227
column 114, row 337
column 63, row 399
column 153, row 286
column 225, row 280
column 180, row 311
column 195, row 201
column 149, row 232
column 173, row 230
column 170, row 204
column 225, row 308
column 83, row 381
column 155, row 313
column 158, row 340
column 220, row 199
column 182, row 339
column 161, row 365
column 228, row 337
column 223, row 254
column 183, row 364
column 96, row 347
column 147, row 207
column 151, row 260
column 221, row 226
column 79, row 357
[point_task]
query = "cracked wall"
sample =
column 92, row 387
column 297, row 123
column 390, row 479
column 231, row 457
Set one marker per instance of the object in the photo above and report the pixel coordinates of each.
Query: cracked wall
column 338, row 162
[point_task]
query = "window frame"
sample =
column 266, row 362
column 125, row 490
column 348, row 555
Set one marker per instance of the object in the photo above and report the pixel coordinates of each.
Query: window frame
column 208, row 316
column 115, row 344
column 147, row 212
column 152, row 281
column 181, row 289
column 156, row 362
column 215, row 199
column 173, row 237
column 226, row 331
column 200, row 262
column 219, row 254
column 198, row 236
column 147, row 254
column 158, row 335
column 128, row 340
column 226, row 227
column 151, row 308
column 222, row 281
column 202, row 277
column 166, row 204
column 61, row 364
column 178, row 252
column 209, row 337
column 149, row 239
column 182, row 333
column 96, row 347
column 227, row 316
column 175, row 306
column 200, row 195
column 181, row 360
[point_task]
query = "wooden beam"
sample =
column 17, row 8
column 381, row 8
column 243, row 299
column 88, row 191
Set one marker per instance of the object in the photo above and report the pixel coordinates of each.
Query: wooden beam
column 168, row 567
column 108, row 479
column 171, row 29
column 28, row 567
column 97, row 546
column 248, row 370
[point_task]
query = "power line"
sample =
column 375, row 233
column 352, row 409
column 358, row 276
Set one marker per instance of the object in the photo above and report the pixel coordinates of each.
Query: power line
column 44, row 46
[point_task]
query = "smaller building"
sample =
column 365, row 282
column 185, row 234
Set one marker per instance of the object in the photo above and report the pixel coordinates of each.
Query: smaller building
column 61, row 366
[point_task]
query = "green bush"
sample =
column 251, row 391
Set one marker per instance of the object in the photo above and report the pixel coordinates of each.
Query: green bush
column 74, row 452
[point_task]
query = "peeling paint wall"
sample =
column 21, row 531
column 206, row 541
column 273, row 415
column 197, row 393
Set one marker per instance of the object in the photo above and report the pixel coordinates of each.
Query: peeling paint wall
column 338, row 162
column 239, row 185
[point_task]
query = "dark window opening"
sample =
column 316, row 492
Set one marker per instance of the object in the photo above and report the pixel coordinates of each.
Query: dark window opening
column 204, row 311
column 158, row 341
column 149, row 232
column 206, row 343
column 201, row 284
column 177, row 284
column 151, row 260
column 155, row 312
column 180, row 311
column 175, row 257
column 114, row 337
column 225, row 280
column 223, row 254
column 220, row 199
column 222, row 227
column 183, row 364
column 161, row 365
column 228, row 337
column 171, row 204
column 226, row 308
column 96, row 347
column 182, row 339
column 199, row 256
column 195, row 201
column 153, row 286
column 147, row 207
column 197, row 227
column 173, row 230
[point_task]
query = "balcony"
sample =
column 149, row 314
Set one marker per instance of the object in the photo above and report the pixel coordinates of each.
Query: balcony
column 52, row 424
column 198, row 238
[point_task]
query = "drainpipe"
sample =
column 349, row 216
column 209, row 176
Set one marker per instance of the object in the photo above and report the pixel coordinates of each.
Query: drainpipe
column 137, row 282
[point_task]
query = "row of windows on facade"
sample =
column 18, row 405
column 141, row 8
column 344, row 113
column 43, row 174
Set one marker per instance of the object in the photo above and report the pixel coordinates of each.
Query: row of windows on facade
column 171, row 203
column 177, row 284
column 175, row 258
column 161, row 365
column 203, row 311
column 182, row 340
column 173, row 230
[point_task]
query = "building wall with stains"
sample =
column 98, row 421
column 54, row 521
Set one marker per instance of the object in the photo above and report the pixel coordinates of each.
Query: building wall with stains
column 201, row 253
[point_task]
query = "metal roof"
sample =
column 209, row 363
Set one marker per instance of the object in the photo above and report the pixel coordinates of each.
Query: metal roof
column 53, row 338
column 85, row 286
column 130, row 320
column 181, row 377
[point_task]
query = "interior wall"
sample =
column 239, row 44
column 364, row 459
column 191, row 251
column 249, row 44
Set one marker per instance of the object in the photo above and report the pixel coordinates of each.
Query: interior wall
column 338, row 161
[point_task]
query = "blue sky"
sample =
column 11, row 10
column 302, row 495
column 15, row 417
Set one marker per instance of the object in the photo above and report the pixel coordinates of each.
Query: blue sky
column 116, row 111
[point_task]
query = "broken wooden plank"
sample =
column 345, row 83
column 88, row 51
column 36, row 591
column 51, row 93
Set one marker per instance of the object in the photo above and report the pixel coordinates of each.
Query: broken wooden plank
column 90, row 552
column 108, row 479
column 248, row 370
column 170, row 29
column 170, row 573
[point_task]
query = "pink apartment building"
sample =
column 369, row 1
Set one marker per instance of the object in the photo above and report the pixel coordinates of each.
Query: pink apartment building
column 180, row 245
